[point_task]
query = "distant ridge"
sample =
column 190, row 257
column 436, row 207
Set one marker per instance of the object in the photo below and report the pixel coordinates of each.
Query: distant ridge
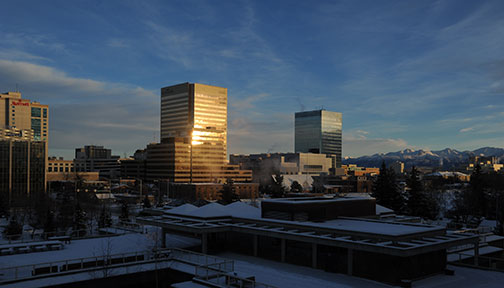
column 446, row 159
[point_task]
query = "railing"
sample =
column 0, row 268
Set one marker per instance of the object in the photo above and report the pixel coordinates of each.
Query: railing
column 209, row 269
column 105, row 262
column 485, row 262
column 75, row 234
column 25, row 272
column 200, row 259
column 225, row 279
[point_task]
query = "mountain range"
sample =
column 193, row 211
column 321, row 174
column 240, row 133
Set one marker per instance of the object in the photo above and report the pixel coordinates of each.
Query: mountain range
column 445, row 159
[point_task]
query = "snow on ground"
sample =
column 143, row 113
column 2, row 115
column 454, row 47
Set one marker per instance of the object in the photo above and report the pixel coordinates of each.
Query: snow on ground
column 128, row 243
column 293, row 276
column 83, row 248
column 287, row 275
column 464, row 277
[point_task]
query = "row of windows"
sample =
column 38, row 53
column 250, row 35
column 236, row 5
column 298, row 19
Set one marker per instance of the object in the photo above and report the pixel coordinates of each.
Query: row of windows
column 66, row 169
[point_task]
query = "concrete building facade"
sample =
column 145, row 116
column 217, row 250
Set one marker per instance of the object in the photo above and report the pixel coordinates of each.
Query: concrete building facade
column 93, row 158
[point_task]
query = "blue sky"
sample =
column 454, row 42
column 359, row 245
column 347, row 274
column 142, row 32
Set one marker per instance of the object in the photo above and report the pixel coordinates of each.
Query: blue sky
column 417, row 74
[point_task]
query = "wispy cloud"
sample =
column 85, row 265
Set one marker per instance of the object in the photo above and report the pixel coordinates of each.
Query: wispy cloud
column 118, row 43
column 463, row 130
column 86, row 111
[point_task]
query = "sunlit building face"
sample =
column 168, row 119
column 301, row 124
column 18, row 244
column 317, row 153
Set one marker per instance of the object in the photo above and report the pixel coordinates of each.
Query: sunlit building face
column 197, row 115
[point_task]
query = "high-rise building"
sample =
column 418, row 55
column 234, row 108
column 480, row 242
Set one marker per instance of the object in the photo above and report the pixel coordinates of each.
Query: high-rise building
column 24, row 114
column 22, row 168
column 319, row 131
column 193, row 144
column 24, row 132
column 198, row 112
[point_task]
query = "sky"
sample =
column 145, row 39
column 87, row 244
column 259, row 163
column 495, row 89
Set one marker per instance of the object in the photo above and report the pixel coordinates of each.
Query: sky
column 405, row 74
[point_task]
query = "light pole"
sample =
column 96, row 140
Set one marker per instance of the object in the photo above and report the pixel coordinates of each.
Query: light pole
column 190, row 161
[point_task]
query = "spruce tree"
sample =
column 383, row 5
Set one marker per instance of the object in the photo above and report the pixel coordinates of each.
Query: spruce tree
column 4, row 207
column 420, row 203
column 278, row 189
column 477, row 197
column 124, row 211
column 49, row 222
column 105, row 219
column 14, row 229
column 296, row 187
column 386, row 191
column 79, row 221
column 146, row 202
column 228, row 193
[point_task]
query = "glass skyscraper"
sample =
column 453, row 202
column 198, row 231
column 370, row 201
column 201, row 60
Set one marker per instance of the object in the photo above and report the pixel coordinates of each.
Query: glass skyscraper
column 319, row 131
column 194, row 122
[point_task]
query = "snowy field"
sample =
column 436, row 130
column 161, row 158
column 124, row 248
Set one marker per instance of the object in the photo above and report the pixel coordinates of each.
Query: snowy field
column 287, row 275
column 95, row 247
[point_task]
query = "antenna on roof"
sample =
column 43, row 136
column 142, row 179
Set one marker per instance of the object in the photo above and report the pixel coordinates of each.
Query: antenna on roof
column 17, row 88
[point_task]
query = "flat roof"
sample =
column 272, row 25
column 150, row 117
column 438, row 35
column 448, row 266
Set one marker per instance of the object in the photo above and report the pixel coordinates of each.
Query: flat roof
column 394, row 238
column 305, row 200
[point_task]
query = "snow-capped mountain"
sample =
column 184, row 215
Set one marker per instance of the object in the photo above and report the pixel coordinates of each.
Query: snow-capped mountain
column 446, row 158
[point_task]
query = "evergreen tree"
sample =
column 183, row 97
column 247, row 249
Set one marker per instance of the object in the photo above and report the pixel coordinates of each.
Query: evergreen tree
column 14, row 229
column 105, row 219
column 278, row 189
column 228, row 193
column 386, row 191
column 420, row 203
column 4, row 207
column 296, row 187
column 79, row 221
column 66, row 211
column 146, row 202
column 124, row 211
column 49, row 222
column 477, row 199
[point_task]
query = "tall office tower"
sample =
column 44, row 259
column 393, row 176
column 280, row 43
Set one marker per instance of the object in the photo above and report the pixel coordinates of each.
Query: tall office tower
column 319, row 131
column 23, row 148
column 194, row 123
column 23, row 114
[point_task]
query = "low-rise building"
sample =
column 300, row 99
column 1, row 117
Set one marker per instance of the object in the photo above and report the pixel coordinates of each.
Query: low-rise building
column 93, row 158
column 211, row 191
column 316, row 232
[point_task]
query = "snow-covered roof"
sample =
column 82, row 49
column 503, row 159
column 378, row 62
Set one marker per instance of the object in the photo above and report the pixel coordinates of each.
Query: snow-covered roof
column 447, row 174
column 305, row 200
column 183, row 209
column 212, row 210
column 383, row 210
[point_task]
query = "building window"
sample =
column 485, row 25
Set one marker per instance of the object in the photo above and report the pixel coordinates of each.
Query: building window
column 49, row 169
column 61, row 169
column 35, row 112
column 45, row 113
